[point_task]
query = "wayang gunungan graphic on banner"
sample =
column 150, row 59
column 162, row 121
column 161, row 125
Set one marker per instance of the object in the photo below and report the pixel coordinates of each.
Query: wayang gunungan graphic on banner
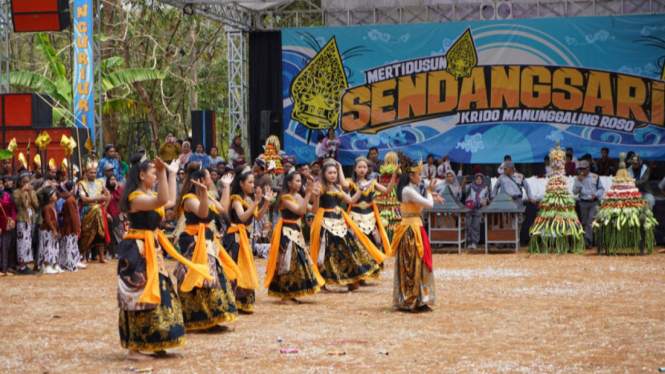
column 478, row 90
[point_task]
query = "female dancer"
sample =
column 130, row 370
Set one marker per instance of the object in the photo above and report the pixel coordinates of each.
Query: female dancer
column 342, row 256
column 365, row 213
column 290, row 272
column 244, row 207
column 414, row 281
column 150, row 317
column 204, row 304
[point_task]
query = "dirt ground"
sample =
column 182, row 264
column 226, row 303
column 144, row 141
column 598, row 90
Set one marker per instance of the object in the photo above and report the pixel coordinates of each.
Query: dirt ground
column 495, row 313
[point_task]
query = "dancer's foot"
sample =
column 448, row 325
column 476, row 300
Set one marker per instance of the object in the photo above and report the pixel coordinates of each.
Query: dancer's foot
column 424, row 309
column 292, row 301
column 219, row 329
column 353, row 287
column 164, row 354
column 325, row 289
column 363, row 283
column 103, row 261
column 137, row 356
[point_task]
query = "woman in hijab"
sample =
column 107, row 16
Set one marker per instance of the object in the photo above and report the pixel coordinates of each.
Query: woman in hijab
column 452, row 182
column 478, row 192
column 186, row 152
column 7, row 226
column 236, row 152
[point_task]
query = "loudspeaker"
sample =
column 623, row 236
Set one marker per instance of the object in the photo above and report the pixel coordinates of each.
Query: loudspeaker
column 203, row 129
column 42, row 111
column 40, row 15
column 26, row 110
column 271, row 124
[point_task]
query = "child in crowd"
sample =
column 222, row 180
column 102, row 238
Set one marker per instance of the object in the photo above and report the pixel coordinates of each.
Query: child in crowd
column 262, row 240
column 49, row 233
column 168, row 225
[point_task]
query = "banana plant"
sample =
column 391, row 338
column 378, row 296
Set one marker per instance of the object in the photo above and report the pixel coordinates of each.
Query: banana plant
column 56, row 83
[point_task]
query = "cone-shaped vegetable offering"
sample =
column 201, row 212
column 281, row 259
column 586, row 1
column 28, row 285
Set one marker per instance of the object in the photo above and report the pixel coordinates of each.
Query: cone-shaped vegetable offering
column 557, row 228
column 272, row 149
column 624, row 222
column 388, row 204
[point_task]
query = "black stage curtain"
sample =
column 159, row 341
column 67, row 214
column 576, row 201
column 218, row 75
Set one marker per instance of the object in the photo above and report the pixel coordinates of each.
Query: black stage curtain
column 265, row 86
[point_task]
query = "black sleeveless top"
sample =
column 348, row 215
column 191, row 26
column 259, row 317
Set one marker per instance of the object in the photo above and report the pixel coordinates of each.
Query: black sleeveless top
column 144, row 220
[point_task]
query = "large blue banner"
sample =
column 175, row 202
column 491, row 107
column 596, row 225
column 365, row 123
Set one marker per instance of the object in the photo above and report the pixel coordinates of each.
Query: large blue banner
column 478, row 90
column 83, row 75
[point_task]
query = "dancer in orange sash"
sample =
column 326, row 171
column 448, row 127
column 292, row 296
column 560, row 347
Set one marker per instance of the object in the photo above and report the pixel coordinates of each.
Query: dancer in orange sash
column 290, row 272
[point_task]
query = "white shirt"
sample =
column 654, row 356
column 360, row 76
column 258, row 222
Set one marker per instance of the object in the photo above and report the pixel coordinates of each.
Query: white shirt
column 319, row 151
column 410, row 195
column 428, row 172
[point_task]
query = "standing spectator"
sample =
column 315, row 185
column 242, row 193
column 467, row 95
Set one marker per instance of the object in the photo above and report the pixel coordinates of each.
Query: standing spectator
column 200, row 156
column 479, row 194
column 27, row 205
column 180, row 179
column 316, row 171
column 186, row 152
column 236, row 152
column 590, row 190
column 444, row 167
column 571, row 169
column 49, row 234
column 592, row 165
column 288, row 163
column 212, row 190
column 548, row 168
column 169, row 150
column 214, row 157
column 605, row 163
column 641, row 173
column 7, row 226
column 113, row 216
column 429, row 169
column 569, row 151
column 502, row 167
column 124, row 169
column 513, row 183
column 373, row 155
column 331, row 145
column 70, row 256
column 8, row 181
column 262, row 179
column 109, row 158
column 307, row 228
column 319, row 151
column 108, row 172
column 305, row 173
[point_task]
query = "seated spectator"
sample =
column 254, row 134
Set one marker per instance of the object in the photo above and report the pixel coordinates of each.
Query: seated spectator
column 605, row 164
column 548, row 168
column 571, row 169
column 236, row 152
column 214, row 157
column 169, row 223
column 200, row 156
column 186, row 152
column 261, row 240
column 306, row 228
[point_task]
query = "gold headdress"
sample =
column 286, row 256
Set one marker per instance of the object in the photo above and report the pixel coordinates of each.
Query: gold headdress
column 37, row 161
column 51, row 164
column 12, row 146
column 408, row 165
column 361, row 158
column 90, row 164
column 22, row 160
column 68, row 144
column 64, row 165
column 329, row 161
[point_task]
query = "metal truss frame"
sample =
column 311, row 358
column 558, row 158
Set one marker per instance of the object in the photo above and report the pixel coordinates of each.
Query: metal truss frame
column 238, row 80
column 242, row 18
column 5, row 25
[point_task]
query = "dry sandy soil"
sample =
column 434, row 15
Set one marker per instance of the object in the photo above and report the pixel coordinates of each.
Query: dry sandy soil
column 495, row 313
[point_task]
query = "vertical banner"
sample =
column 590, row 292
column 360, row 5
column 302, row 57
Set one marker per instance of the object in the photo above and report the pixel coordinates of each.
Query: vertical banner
column 83, row 74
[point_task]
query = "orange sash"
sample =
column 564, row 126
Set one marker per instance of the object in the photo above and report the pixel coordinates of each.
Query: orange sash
column 247, row 278
column 151, row 293
column 274, row 252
